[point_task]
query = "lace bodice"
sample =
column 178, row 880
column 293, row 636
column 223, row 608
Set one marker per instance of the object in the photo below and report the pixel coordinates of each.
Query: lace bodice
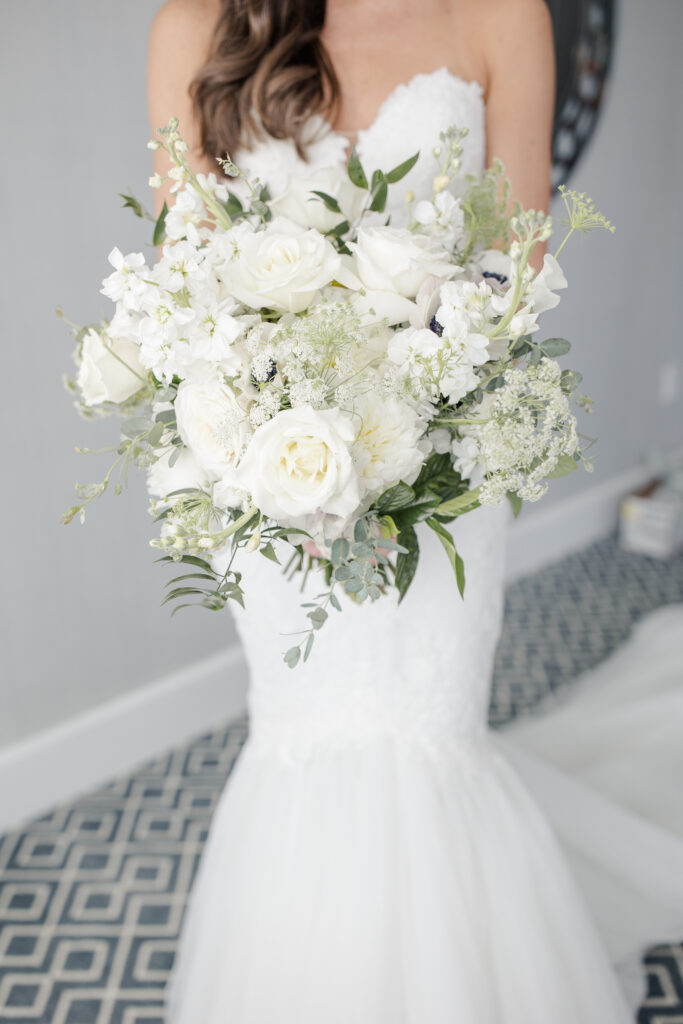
column 419, row 670
column 410, row 119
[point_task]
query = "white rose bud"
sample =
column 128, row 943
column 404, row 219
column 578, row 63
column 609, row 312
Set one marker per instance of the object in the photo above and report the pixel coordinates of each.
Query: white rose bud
column 110, row 369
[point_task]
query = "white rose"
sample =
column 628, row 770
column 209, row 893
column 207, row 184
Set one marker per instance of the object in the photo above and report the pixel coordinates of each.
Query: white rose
column 300, row 205
column 389, row 445
column 110, row 369
column 185, row 472
column 283, row 267
column 395, row 259
column 298, row 465
column 212, row 424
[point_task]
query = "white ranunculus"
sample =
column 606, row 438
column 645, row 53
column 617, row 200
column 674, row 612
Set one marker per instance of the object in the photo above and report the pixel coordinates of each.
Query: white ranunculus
column 110, row 369
column 212, row 424
column 185, row 472
column 300, row 205
column 389, row 445
column 398, row 260
column 283, row 267
column 298, row 465
column 549, row 279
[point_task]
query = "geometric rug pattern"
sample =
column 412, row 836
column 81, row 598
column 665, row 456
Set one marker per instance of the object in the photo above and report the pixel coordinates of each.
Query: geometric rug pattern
column 92, row 895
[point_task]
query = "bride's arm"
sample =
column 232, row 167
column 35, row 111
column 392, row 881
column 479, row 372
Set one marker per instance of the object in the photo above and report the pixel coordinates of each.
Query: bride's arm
column 520, row 57
column 178, row 47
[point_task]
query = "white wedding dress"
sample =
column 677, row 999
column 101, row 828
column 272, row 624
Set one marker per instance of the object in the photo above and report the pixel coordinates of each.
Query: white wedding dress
column 379, row 856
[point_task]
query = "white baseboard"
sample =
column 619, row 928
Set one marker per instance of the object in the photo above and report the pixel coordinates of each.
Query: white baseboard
column 70, row 759
column 64, row 762
column 543, row 535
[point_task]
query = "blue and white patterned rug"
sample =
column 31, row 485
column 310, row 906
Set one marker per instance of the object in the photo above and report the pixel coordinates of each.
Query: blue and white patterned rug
column 91, row 896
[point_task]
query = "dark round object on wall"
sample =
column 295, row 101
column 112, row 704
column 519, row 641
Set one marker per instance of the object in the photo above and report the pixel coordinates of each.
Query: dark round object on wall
column 584, row 39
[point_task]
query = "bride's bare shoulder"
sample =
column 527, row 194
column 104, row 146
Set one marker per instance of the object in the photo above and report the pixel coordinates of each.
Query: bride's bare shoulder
column 179, row 44
column 511, row 20
column 183, row 30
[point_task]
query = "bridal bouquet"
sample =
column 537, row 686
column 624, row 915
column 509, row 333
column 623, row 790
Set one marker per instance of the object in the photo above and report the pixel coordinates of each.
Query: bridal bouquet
column 296, row 373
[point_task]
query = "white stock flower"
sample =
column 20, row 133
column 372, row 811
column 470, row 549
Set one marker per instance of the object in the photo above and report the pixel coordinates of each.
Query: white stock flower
column 298, row 465
column 110, row 369
column 125, row 285
column 388, row 445
column 283, row 267
column 212, row 424
column 183, row 218
column 443, row 216
column 397, row 260
column 299, row 204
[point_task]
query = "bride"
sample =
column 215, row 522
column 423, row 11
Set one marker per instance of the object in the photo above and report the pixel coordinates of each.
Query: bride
column 380, row 857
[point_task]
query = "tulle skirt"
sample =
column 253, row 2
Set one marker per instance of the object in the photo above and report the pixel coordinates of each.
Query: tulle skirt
column 516, row 880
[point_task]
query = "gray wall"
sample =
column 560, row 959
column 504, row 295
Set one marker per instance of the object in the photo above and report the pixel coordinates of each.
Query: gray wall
column 81, row 621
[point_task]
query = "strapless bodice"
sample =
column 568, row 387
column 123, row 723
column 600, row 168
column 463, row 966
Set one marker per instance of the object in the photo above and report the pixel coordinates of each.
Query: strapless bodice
column 410, row 119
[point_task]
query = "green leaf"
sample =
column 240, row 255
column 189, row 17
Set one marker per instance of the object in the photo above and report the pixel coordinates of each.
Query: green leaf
column 570, row 379
column 334, row 601
column 292, row 656
column 339, row 550
column 353, row 586
column 339, row 229
column 329, row 201
column 379, row 199
column 406, row 564
column 160, row 226
column 359, row 531
column 268, row 551
column 135, row 426
column 309, row 645
column 232, row 206
column 565, row 465
column 355, row 170
column 555, row 347
column 131, row 203
column 400, row 172
column 466, row 502
column 515, row 502
column 396, row 497
column 454, row 558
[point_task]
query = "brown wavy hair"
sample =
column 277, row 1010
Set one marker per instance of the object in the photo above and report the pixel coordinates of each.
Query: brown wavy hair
column 267, row 66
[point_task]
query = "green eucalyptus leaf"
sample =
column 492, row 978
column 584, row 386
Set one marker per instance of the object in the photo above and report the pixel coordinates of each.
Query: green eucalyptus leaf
column 292, row 656
column 555, row 347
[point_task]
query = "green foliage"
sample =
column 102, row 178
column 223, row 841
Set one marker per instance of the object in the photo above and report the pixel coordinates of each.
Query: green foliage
column 160, row 226
column 454, row 558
